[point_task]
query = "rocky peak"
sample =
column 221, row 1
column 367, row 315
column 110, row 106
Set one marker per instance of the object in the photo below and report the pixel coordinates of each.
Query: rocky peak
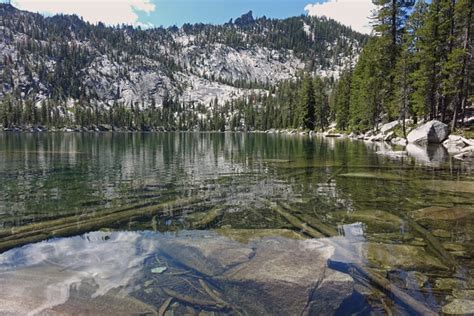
column 245, row 19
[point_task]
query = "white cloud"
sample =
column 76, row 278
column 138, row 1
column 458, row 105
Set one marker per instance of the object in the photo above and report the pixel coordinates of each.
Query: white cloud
column 353, row 13
column 110, row 12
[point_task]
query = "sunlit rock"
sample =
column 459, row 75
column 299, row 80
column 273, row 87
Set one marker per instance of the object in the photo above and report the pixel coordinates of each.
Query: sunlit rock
column 399, row 141
column 432, row 132
column 466, row 153
column 388, row 127
column 467, row 141
column 389, row 136
column 454, row 144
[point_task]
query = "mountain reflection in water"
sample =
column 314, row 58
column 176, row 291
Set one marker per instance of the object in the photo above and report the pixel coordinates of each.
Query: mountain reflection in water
column 120, row 224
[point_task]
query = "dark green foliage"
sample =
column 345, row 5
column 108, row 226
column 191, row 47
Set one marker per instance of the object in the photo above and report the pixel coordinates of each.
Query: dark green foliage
column 307, row 104
column 419, row 67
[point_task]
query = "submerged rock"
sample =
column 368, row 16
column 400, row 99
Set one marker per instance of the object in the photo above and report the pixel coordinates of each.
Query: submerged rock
column 376, row 220
column 449, row 186
column 53, row 290
column 415, row 280
column 433, row 132
column 289, row 278
column 450, row 284
column 371, row 175
column 405, row 257
column 436, row 213
column 247, row 235
column 207, row 254
column 459, row 307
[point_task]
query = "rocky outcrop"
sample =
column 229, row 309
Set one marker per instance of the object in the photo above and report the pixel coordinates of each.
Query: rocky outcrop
column 433, row 132
column 454, row 144
column 389, row 127
column 245, row 20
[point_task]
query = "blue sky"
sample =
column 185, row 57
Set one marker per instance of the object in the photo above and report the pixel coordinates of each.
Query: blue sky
column 150, row 13
column 177, row 12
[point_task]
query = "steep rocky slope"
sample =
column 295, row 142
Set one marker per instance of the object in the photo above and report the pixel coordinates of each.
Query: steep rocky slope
column 65, row 59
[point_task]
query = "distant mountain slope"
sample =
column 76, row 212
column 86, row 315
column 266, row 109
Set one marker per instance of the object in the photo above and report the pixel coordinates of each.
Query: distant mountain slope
column 65, row 59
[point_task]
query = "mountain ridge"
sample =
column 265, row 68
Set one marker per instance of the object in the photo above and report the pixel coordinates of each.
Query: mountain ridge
column 71, row 63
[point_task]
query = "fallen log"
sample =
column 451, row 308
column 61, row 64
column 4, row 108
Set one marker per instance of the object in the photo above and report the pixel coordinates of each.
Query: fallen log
column 195, row 301
column 211, row 216
column 164, row 306
column 74, row 225
column 384, row 285
column 432, row 243
column 324, row 229
column 293, row 220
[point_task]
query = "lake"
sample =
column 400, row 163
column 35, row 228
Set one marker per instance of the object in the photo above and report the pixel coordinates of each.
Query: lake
column 231, row 224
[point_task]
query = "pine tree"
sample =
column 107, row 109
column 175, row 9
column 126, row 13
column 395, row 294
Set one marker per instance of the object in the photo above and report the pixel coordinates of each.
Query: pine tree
column 321, row 104
column 307, row 104
column 341, row 98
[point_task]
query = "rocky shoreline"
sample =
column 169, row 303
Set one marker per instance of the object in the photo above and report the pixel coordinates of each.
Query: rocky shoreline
column 432, row 136
column 387, row 137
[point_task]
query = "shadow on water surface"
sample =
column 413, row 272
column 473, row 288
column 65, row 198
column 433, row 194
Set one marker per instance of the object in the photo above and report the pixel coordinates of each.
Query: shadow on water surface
column 230, row 224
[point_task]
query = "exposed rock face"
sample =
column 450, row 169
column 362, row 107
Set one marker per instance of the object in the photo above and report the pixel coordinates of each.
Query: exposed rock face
column 245, row 20
column 433, row 132
column 186, row 64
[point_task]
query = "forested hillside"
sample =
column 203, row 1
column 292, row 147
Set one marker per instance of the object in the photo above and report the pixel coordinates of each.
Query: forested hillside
column 62, row 71
column 419, row 65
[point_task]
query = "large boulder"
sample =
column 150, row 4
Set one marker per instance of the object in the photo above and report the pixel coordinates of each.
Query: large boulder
column 433, row 132
column 289, row 277
column 100, row 274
